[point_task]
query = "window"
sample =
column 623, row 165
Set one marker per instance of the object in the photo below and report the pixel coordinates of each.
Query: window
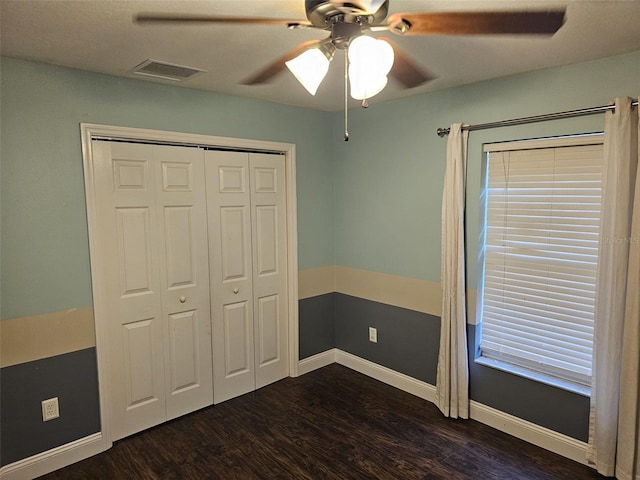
column 540, row 257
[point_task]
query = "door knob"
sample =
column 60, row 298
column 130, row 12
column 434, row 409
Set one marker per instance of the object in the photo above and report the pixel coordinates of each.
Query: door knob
column 183, row 299
column 235, row 290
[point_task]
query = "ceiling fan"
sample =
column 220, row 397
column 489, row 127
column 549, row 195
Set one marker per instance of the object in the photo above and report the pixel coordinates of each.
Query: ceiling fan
column 351, row 23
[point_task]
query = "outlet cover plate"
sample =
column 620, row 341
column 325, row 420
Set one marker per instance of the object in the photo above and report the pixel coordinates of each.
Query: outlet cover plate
column 50, row 409
column 373, row 334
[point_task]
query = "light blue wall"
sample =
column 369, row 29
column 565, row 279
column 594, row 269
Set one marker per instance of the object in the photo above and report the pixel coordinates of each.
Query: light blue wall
column 371, row 203
column 388, row 177
column 45, row 254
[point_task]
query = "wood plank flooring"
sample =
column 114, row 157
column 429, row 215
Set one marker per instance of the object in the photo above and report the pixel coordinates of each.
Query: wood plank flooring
column 332, row 423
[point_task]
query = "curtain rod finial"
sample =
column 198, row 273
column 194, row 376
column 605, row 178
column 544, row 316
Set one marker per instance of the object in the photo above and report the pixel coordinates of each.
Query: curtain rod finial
column 442, row 132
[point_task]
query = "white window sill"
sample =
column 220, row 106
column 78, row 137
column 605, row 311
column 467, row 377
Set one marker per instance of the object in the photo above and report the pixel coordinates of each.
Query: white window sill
column 536, row 376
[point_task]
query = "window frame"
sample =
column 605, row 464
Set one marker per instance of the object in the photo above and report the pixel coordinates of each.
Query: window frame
column 496, row 361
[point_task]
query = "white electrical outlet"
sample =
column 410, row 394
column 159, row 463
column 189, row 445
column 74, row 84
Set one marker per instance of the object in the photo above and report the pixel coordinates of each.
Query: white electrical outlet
column 373, row 334
column 50, row 409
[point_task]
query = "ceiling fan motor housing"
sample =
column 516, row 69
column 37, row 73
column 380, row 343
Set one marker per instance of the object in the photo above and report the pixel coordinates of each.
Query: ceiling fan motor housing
column 322, row 13
column 343, row 33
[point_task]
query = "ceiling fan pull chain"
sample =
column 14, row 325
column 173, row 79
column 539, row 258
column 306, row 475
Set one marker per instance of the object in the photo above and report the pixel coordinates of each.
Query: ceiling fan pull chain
column 346, row 94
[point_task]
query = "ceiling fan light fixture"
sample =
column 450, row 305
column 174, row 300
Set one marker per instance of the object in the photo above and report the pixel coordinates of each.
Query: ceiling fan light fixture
column 370, row 60
column 311, row 66
column 364, row 88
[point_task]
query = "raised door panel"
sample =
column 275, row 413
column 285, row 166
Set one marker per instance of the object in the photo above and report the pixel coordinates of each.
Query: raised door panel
column 268, row 222
column 184, row 351
column 231, row 271
column 184, row 273
column 133, row 231
column 234, row 255
column 268, row 349
column 237, row 348
column 267, row 240
column 137, row 340
column 131, row 287
column 180, row 246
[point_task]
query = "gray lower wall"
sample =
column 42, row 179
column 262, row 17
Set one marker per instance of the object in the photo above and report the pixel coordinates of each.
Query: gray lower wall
column 408, row 342
column 72, row 378
column 550, row 407
column 316, row 325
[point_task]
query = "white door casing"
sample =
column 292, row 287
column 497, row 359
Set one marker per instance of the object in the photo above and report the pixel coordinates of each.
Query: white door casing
column 97, row 244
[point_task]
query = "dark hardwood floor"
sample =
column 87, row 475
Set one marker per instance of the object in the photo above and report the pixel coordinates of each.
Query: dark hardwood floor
column 332, row 423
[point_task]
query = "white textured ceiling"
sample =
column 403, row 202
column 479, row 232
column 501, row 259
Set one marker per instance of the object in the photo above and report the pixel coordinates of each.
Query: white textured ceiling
column 100, row 36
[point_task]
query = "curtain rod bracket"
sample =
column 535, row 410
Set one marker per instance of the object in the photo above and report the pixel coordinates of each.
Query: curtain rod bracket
column 442, row 132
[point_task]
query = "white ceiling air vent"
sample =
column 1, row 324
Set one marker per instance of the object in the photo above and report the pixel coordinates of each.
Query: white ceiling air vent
column 165, row 71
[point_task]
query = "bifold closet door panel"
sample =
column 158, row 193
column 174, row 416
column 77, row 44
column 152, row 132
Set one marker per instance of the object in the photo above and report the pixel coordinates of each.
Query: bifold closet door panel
column 229, row 225
column 246, row 208
column 269, row 242
column 131, row 285
column 154, row 285
column 184, row 271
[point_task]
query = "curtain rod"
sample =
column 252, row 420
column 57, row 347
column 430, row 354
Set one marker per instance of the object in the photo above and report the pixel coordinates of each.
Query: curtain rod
column 538, row 118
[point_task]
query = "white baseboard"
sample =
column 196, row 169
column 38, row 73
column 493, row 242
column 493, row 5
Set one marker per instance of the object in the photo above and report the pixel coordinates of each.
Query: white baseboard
column 386, row 375
column 317, row 361
column 529, row 432
column 55, row 458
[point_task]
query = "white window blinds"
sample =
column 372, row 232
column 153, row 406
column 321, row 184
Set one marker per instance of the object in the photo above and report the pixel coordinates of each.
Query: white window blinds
column 540, row 258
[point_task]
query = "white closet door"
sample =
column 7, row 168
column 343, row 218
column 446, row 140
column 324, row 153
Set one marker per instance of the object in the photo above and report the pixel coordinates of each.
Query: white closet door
column 268, row 227
column 247, row 240
column 151, row 211
column 181, row 202
column 229, row 223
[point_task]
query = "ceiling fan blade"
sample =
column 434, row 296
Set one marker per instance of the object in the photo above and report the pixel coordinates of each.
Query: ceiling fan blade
column 150, row 18
column 278, row 65
column 405, row 71
column 477, row 23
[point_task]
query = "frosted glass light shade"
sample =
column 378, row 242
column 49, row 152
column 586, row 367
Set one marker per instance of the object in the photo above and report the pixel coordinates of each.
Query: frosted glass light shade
column 362, row 87
column 370, row 61
column 310, row 68
column 371, row 55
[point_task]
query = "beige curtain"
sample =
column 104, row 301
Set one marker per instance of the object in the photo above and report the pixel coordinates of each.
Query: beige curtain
column 452, row 381
column 628, row 442
column 614, row 422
